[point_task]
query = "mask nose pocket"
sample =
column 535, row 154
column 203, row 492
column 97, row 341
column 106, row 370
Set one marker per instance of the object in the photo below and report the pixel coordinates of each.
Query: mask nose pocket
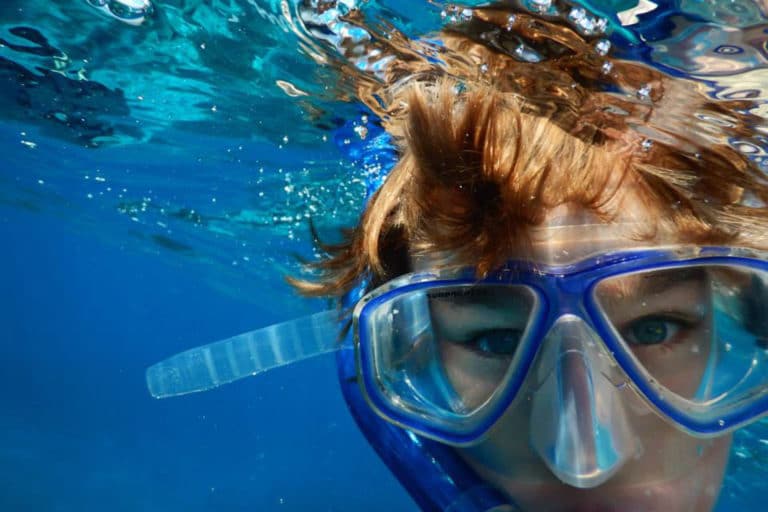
column 579, row 426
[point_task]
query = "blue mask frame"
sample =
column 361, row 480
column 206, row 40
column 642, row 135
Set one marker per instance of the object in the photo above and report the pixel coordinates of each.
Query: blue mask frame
column 565, row 289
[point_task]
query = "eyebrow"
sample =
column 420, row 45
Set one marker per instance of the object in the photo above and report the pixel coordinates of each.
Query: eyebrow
column 657, row 284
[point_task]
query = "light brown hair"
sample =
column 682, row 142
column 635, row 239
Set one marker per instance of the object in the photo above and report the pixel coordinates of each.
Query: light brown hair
column 489, row 144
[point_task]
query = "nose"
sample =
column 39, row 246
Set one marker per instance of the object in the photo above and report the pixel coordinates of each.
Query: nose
column 579, row 426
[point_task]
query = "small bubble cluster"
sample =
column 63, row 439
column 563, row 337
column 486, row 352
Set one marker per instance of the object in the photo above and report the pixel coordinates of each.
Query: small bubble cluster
column 361, row 131
column 541, row 5
column 585, row 24
column 454, row 14
column 602, row 47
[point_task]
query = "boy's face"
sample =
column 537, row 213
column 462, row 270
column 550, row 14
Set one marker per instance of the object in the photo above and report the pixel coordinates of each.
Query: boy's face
column 659, row 467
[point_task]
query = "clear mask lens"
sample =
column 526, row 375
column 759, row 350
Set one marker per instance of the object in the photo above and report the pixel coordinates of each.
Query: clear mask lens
column 443, row 353
column 700, row 332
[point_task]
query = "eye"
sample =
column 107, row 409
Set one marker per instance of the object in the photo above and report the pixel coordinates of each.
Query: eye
column 501, row 343
column 654, row 330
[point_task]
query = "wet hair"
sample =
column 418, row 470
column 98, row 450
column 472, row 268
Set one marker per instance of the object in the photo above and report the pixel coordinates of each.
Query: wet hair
column 488, row 144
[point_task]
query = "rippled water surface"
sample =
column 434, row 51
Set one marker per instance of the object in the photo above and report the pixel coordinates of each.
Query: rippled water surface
column 192, row 141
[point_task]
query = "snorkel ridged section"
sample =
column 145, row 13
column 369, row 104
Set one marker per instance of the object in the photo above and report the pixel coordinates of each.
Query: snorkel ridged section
column 245, row 355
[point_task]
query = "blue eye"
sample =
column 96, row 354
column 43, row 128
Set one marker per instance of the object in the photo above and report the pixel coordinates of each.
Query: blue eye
column 653, row 330
column 495, row 343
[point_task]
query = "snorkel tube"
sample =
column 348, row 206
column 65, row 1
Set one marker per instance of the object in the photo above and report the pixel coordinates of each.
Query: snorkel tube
column 433, row 473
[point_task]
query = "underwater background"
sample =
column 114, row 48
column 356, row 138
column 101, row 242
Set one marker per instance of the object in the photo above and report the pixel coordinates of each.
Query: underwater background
column 159, row 164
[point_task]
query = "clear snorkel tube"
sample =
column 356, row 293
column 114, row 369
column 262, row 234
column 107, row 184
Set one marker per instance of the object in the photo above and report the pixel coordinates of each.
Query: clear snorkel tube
column 244, row 355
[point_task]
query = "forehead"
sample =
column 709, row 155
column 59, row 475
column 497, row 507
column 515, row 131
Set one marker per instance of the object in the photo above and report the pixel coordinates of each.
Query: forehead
column 570, row 243
column 570, row 233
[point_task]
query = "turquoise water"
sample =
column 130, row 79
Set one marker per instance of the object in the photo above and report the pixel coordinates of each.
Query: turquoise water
column 156, row 183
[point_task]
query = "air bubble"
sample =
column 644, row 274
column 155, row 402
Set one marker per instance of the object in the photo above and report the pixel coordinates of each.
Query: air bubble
column 728, row 347
column 541, row 5
column 484, row 68
column 644, row 93
column 361, row 131
column 526, row 54
column 450, row 14
column 510, row 22
column 577, row 14
column 607, row 67
column 726, row 49
column 600, row 25
column 647, row 144
column 586, row 24
column 721, row 423
column 602, row 47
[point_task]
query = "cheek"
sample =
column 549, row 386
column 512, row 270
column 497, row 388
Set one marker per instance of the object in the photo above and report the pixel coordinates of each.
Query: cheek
column 505, row 453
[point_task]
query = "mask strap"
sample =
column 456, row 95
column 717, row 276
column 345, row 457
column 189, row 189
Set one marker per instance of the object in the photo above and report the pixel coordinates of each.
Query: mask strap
column 244, row 355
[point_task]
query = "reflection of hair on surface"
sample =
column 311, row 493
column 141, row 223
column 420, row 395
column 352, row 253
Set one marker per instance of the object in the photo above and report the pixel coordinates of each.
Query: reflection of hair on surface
column 490, row 142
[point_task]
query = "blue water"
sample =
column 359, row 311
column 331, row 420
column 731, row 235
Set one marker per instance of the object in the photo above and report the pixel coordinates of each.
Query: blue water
column 155, row 187
column 82, row 319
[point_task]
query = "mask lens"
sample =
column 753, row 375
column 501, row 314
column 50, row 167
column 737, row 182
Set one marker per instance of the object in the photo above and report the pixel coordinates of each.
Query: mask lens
column 699, row 331
column 441, row 352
